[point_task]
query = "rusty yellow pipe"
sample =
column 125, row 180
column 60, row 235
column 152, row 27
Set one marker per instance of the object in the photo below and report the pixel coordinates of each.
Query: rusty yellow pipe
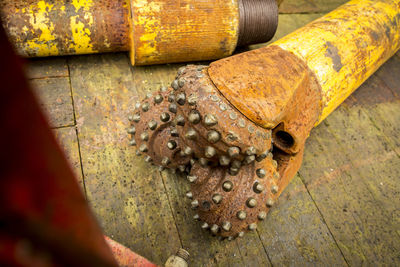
column 50, row 28
column 153, row 31
column 295, row 82
column 346, row 46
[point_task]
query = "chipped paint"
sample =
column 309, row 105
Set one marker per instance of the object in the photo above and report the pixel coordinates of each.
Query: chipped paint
column 356, row 39
column 48, row 28
column 81, row 34
column 154, row 31
column 151, row 22
column 84, row 4
column 43, row 45
column 169, row 31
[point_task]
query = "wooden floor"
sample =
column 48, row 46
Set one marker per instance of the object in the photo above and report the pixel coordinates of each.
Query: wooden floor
column 342, row 208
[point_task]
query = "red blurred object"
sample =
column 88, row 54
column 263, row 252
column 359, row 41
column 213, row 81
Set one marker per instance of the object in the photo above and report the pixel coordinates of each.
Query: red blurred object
column 44, row 218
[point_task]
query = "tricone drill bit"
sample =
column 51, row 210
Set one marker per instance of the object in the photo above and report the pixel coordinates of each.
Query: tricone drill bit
column 238, row 127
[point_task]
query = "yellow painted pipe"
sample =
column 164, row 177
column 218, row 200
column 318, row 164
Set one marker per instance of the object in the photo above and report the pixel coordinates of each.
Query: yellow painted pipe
column 346, row 46
column 154, row 31
column 294, row 83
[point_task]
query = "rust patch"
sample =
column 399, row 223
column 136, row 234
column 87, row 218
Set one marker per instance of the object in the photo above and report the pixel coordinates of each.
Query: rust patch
column 281, row 92
column 333, row 53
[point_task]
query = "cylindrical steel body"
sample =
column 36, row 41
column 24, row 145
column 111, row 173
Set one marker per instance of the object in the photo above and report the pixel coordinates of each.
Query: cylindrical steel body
column 347, row 46
column 336, row 53
column 177, row 31
column 154, row 31
column 50, row 28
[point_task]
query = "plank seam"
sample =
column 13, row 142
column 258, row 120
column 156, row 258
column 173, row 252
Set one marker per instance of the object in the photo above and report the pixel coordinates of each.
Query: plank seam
column 76, row 130
column 170, row 208
column 62, row 126
column 323, row 219
column 265, row 249
column 49, row 77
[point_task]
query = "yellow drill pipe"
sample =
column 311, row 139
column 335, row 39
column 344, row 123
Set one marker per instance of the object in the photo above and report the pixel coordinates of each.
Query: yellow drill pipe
column 347, row 46
column 330, row 57
column 153, row 31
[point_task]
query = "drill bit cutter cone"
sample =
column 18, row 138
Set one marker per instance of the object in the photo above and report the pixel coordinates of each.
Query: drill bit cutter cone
column 238, row 127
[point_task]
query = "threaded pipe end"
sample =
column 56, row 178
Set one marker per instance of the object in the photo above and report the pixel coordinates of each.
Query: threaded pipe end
column 183, row 254
column 258, row 21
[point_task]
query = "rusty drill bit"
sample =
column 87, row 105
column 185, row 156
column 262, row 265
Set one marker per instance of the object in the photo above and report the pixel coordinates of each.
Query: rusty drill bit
column 229, row 157
column 239, row 126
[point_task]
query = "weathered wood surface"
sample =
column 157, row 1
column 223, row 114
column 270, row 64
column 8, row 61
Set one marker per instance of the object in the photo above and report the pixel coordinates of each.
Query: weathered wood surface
column 54, row 95
column 68, row 141
column 47, row 67
column 295, row 234
column 341, row 209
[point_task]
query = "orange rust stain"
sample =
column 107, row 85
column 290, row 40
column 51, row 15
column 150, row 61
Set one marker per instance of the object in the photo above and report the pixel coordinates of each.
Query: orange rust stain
column 180, row 31
column 273, row 88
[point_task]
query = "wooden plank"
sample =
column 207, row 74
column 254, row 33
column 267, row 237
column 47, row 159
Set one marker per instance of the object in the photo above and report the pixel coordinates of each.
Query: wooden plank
column 294, row 232
column 379, row 97
column 205, row 250
column 375, row 168
column 289, row 23
column 299, row 6
column 68, row 141
column 54, row 95
column 352, row 176
column 381, row 106
column 47, row 67
column 309, row 6
column 388, row 75
column 324, row 174
column 252, row 250
column 126, row 194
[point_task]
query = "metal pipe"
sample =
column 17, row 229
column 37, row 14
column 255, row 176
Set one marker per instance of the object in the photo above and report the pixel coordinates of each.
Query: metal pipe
column 153, row 31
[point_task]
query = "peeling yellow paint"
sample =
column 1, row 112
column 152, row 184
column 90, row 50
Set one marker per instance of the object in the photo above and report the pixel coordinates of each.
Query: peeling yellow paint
column 80, row 37
column 170, row 31
column 42, row 45
column 156, row 31
column 148, row 19
column 84, row 4
column 350, row 53
column 81, row 40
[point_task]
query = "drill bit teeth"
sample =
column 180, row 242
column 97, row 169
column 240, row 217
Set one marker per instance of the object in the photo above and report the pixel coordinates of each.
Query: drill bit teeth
column 232, row 173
